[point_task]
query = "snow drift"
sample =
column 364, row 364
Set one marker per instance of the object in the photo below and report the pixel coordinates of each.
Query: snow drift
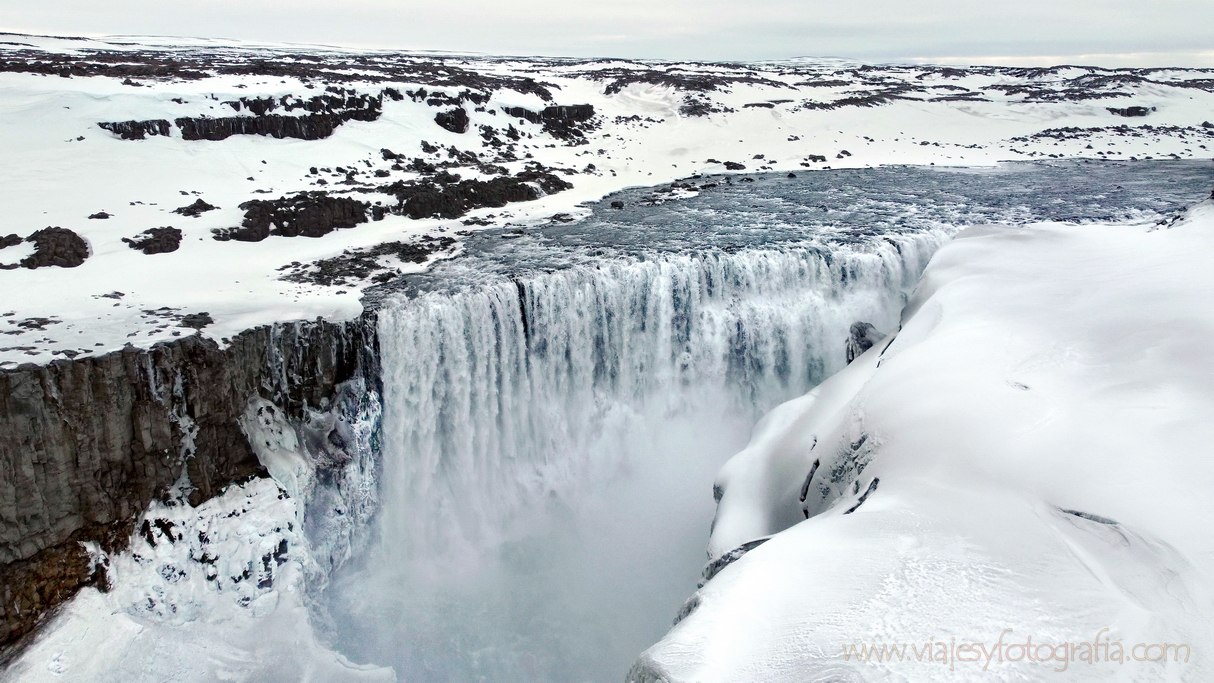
column 1026, row 461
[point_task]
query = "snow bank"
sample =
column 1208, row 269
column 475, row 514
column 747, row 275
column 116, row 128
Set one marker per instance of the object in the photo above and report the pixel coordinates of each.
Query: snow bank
column 1035, row 445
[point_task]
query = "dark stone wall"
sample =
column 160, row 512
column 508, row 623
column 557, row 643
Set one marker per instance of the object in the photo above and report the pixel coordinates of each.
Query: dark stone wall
column 87, row 444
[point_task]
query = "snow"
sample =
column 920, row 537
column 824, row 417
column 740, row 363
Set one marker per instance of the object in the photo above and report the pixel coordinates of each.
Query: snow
column 1039, row 428
column 53, row 177
column 1039, row 370
column 206, row 606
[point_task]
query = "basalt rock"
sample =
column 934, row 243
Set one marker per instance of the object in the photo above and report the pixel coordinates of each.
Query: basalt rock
column 307, row 214
column 428, row 199
column 58, row 247
column 862, row 337
column 455, row 120
column 87, row 444
column 562, row 121
column 196, row 209
column 155, row 240
column 137, row 130
column 326, row 113
column 1130, row 111
column 314, row 127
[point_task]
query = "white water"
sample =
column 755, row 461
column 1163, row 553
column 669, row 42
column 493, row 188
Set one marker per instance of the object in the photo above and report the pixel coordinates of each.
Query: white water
column 549, row 448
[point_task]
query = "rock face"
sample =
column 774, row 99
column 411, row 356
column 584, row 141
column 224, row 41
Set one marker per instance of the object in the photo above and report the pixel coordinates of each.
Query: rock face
column 52, row 247
column 196, row 209
column 1130, row 111
column 308, row 214
column 137, row 130
column 428, row 199
column 155, row 240
column 455, row 120
column 862, row 338
column 561, row 121
column 86, row 445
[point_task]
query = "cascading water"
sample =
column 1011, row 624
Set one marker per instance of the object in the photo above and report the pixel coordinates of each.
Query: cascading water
column 550, row 432
column 550, row 443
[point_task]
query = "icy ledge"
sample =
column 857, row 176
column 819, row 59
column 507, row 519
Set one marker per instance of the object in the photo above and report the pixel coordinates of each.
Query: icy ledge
column 1040, row 431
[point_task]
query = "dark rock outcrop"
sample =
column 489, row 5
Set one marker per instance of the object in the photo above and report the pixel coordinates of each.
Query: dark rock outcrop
column 429, row 199
column 356, row 266
column 307, row 214
column 58, row 247
column 861, row 338
column 314, row 127
column 734, row 166
column 455, row 120
column 563, row 121
column 86, row 445
column 11, row 240
column 196, row 209
column 100, row 215
column 326, row 113
column 155, row 240
column 1131, row 112
column 137, row 130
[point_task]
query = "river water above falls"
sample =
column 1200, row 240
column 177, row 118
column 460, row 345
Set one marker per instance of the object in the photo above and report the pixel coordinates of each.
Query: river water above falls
column 556, row 401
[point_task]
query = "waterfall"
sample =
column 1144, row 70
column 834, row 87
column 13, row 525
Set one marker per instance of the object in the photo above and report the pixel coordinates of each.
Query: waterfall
column 503, row 397
column 549, row 444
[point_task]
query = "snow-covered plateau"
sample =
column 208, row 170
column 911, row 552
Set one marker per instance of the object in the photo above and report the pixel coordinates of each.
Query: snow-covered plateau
column 329, row 364
column 227, row 124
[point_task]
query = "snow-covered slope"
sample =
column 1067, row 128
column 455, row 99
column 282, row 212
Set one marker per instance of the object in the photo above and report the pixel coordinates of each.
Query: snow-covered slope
column 361, row 126
column 1026, row 461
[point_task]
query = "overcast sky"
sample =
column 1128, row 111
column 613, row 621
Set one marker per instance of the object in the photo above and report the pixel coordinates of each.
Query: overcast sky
column 1112, row 32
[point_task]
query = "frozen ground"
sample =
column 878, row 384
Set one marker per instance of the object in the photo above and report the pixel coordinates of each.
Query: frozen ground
column 652, row 123
column 1033, row 444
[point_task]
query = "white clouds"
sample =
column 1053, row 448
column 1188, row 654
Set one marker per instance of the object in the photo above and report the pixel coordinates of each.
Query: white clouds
column 705, row 29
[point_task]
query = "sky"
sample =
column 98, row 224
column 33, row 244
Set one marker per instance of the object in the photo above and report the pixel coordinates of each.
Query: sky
column 1103, row 32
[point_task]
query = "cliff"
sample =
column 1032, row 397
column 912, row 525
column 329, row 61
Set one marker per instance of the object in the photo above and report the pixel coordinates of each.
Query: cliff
column 86, row 445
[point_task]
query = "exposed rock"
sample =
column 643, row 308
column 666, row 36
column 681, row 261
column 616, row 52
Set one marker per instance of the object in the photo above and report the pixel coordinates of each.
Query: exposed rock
column 356, row 266
column 734, row 166
column 10, row 240
column 137, row 130
column 155, row 240
column 196, row 209
column 86, row 445
column 617, row 204
column 1130, row 111
column 564, row 121
column 862, row 338
column 58, row 247
column 455, row 120
column 426, row 199
column 197, row 321
column 713, row 568
column 307, row 214
column 326, row 113
column 100, row 215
